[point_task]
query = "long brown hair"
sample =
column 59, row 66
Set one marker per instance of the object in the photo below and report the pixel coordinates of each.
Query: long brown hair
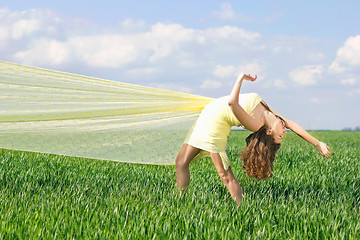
column 259, row 155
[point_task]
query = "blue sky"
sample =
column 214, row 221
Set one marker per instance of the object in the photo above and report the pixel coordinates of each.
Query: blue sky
column 306, row 53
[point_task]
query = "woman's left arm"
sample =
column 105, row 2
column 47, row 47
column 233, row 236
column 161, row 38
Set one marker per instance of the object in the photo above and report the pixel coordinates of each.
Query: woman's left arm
column 320, row 146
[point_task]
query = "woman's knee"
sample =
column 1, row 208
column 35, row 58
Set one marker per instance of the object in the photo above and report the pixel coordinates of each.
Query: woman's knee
column 186, row 154
column 179, row 162
column 180, row 157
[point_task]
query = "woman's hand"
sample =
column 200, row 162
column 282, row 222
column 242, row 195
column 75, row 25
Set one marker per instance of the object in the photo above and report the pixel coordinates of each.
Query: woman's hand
column 247, row 77
column 323, row 149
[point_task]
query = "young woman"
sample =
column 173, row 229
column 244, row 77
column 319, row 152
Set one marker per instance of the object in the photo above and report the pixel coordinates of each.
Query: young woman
column 209, row 136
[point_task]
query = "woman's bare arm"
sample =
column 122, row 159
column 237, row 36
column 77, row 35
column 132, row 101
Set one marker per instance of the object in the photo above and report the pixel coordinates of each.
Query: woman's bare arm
column 244, row 118
column 320, row 146
column 323, row 149
column 293, row 126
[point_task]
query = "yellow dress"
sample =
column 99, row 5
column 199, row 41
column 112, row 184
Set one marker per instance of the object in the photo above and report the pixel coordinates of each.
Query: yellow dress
column 211, row 131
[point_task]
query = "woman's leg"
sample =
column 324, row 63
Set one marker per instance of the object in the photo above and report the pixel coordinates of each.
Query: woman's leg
column 183, row 159
column 227, row 176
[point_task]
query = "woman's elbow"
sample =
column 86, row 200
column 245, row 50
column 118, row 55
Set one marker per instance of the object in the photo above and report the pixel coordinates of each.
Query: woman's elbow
column 231, row 102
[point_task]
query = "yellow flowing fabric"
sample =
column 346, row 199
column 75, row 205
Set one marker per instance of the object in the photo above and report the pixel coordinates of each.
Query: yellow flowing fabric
column 61, row 113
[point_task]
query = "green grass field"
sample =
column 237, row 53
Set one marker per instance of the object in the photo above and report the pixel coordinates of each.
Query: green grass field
column 309, row 197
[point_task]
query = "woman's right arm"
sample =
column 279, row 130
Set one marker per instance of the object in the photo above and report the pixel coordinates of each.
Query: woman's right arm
column 244, row 118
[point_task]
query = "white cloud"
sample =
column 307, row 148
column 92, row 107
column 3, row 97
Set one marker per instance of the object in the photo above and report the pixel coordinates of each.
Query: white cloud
column 235, row 34
column 224, row 71
column 315, row 56
column 353, row 92
column 146, row 44
column 164, row 39
column 228, row 13
column 349, row 81
column 45, row 51
column 279, row 84
column 306, row 75
column 24, row 27
column 209, row 84
column 230, row 71
column 347, row 57
column 116, row 50
column 315, row 100
column 281, row 49
column 250, row 68
column 4, row 34
column 335, row 67
column 187, row 63
column 29, row 22
column 130, row 25
column 108, row 51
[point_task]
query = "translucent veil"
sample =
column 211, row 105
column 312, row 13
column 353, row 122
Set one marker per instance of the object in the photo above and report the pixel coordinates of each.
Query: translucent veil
column 61, row 113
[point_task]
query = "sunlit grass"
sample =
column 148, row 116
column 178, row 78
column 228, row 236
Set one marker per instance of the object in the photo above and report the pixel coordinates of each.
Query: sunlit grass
column 56, row 197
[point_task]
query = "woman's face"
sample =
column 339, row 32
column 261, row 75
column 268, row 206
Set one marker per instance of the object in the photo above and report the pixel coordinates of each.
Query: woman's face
column 277, row 130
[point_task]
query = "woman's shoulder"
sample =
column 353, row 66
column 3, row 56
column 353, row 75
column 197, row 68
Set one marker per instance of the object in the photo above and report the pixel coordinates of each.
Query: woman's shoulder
column 250, row 96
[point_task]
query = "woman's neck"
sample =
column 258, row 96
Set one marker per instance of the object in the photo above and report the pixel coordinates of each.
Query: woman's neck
column 269, row 118
column 260, row 113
